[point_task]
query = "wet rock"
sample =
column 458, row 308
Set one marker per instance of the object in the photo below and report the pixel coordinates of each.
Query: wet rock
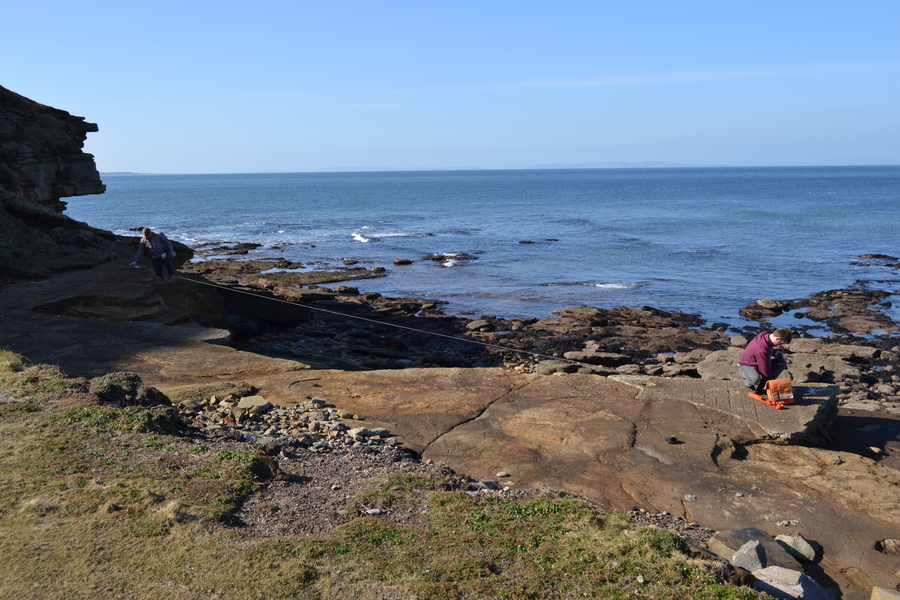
column 594, row 317
column 479, row 325
column 770, row 304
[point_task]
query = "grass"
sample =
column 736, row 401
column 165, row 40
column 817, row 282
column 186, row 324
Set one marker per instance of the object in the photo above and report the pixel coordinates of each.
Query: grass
column 99, row 502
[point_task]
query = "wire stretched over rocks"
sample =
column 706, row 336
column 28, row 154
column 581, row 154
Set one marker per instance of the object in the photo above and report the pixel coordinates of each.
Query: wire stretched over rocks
column 422, row 331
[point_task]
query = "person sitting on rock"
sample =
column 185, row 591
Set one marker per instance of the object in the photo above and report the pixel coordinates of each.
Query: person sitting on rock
column 760, row 362
column 160, row 249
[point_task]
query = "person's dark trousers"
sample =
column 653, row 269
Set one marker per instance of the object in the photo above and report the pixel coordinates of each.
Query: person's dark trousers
column 158, row 262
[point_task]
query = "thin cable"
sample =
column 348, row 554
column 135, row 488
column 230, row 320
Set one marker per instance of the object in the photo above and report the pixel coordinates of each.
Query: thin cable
column 434, row 333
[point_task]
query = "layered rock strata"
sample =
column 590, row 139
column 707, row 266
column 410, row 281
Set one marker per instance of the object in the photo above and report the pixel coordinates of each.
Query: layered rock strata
column 41, row 155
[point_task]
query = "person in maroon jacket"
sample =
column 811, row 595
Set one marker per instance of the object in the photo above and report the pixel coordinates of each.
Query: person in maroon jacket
column 760, row 362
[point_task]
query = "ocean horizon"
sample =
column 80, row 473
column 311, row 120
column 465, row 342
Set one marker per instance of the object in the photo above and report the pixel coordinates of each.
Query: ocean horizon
column 523, row 243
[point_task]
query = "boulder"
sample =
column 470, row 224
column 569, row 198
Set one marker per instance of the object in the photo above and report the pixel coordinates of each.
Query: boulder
column 549, row 367
column 750, row 557
column 606, row 359
column 788, row 584
column 479, row 325
column 770, row 553
column 799, row 547
column 258, row 402
column 594, row 317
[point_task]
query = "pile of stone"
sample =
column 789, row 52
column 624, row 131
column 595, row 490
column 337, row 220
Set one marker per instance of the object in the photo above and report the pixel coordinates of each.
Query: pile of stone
column 312, row 425
column 777, row 564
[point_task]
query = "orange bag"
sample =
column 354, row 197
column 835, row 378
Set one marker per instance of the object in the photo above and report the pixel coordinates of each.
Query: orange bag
column 779, row 393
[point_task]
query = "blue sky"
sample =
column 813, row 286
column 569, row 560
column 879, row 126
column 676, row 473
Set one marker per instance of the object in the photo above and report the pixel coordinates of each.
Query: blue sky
column 219, row 87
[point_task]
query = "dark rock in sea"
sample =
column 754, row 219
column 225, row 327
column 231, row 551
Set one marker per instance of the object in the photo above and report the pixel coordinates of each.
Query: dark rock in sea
column 878, row 257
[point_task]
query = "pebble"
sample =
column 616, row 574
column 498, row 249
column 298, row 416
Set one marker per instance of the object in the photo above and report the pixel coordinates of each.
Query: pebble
column 787, row 523
column 307, row 423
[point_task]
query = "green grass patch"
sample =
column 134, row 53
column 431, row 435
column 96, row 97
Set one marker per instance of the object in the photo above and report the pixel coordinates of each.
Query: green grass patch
column 99, row 501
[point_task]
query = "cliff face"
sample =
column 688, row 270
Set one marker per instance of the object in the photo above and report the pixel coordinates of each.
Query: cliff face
column 41, row 154
column 41, row 161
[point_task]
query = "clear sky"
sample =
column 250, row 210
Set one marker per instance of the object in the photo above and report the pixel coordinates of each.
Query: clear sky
column 198, row 86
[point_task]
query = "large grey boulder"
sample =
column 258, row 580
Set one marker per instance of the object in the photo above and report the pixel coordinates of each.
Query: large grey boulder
column 769, row 552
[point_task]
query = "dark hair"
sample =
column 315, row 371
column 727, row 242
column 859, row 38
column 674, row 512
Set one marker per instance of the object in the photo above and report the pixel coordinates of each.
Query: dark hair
column 785, row 334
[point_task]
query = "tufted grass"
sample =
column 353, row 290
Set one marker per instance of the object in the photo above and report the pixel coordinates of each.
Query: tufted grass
column 95, row 502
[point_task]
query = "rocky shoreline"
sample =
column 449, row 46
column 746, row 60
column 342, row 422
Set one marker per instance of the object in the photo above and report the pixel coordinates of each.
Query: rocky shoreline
column 363, row 331
column 636, row 409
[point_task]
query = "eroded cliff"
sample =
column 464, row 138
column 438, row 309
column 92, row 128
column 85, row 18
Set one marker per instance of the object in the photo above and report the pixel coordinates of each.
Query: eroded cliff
column 41, row 152
column 41, row 161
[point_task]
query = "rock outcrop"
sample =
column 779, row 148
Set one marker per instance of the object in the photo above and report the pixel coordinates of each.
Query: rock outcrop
column 41, row 155
column 41, row 161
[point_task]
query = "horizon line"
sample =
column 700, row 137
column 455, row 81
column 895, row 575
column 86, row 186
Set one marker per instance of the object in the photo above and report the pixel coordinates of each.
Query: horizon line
column 610, row 165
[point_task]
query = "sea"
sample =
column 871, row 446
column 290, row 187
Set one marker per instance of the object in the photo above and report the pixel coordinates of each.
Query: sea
column 524, row 243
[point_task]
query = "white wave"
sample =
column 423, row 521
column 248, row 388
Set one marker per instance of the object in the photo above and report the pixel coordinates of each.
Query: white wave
column 612, row 286
column 359, row 237
column 606, row 286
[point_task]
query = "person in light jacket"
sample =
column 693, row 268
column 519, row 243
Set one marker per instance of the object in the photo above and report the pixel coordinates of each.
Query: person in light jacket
column 161, row 251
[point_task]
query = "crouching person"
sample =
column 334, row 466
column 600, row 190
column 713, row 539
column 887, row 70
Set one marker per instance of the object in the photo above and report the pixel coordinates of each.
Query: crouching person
column 760, row 362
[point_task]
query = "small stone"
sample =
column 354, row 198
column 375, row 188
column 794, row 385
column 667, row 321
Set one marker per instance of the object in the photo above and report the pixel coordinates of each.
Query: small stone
column 690, row 498
column 501, row 474
column 671, row 439
column 260, row 404
column 875, row 450
column 787, row 523
column 888, row 546
column 373, row 512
